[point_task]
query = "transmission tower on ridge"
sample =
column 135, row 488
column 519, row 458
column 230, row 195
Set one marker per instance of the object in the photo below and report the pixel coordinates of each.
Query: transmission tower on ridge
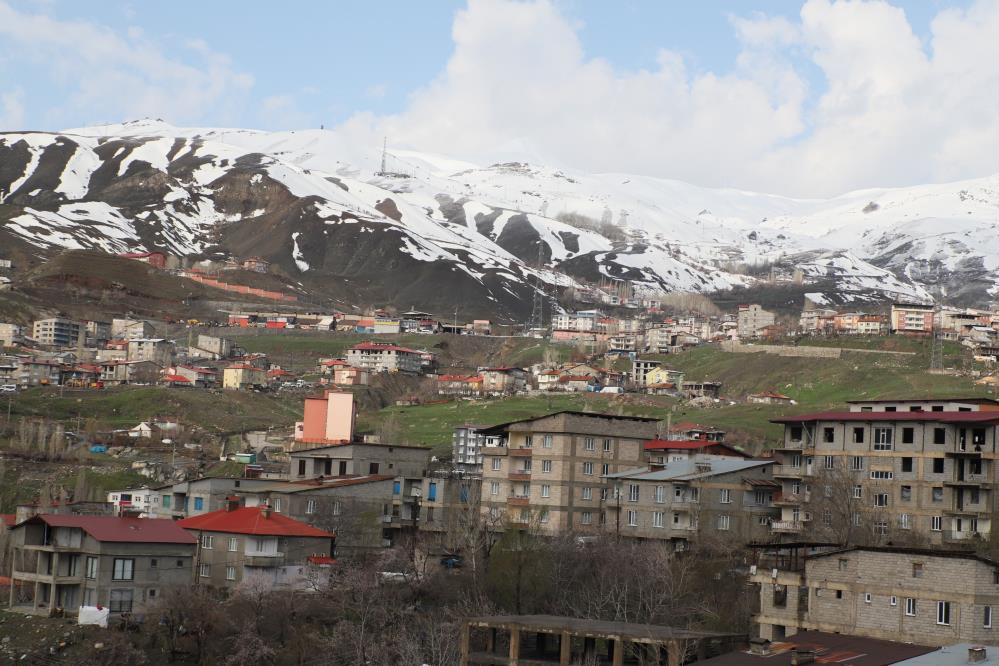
column 936, row 353
column 384, row 154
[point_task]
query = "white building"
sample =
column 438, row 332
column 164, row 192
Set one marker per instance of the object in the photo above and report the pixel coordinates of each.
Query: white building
column 142, row 501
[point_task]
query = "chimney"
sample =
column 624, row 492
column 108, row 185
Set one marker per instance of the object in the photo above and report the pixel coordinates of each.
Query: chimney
column 759, row 647
column 977, row 654
column 801, row 656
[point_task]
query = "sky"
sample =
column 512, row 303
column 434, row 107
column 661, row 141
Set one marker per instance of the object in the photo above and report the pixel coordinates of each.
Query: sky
column 809, row 98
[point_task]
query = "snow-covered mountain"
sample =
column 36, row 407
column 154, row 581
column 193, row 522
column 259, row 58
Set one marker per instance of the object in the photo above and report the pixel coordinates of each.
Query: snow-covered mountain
column 436, row 232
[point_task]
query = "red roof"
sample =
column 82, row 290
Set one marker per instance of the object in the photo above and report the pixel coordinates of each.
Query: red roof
column 689, row 445
column 381, row 346
column 176, row 378
column 931, row 417
column 279, row 372
column 251, row 520
column 242, row 366
column 321, row 559
column 333, row 362
column 8, row 519
column 120, row 530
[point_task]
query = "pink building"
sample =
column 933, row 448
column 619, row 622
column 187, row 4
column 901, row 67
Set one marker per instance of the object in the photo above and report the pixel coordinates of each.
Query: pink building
column 329, row 419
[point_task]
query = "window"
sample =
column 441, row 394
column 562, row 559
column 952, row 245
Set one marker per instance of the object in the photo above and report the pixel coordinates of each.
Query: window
column 310, row 506
column 867, row 597
column 588, row 444
column 796, row 433
column 882, row 475
column 843, row 564
column 605, row 469
column 205, row 570
column 723, row 522
column 494, row 488
column 725, row 496
column 633, row 518
column 207, row 541
column 153, row 563
column 587, row 518
column 587, row 493
column 695, row 494
column 857, row 463
column 858, row 492
column 546, row 466
column 199, row 503
column 839, row 594
column 939, row 434
column 937, row 494
column 230, row 573
column 180, row 564
column 124, row 569
column 907, row 464
column 987, row 617
column 91, row 568
column 301, row 468
column 917, row 569
column 829, row 462
column 882, row 439
column 528, row 441
column 657, row 518
column 891, row 409
column 660, row 494
column 497, row 464
column 608, row 444
column 277, row 503
column 904, row 522
column 121, row 601
column 938, row 465
column 936, row 523
column 906, row 493
column 588, row 468
column 546, row 441
column 881, row 528
column 910, row 607
column 828, row 435
column 858, row 435
column 893, row 600
column 633, row 492
column 166, row 501
column 546, row 490
column 943, row 612
column 908, row 435
column 372, row 469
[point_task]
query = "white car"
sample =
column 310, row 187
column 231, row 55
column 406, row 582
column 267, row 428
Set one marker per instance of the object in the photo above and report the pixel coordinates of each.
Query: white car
column 8, row 388
column 612, row 389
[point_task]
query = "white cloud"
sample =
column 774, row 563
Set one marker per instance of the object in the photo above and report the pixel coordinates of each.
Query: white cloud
column 891, row 111
column 12, row 108
column 112, row 76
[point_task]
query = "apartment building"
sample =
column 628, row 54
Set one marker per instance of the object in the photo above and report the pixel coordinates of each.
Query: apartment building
column 68, row 561
column 243, row 376
column 327, row 418
column 238, row 543
column 924, row 596
column 143, row 502
column 466, row 448
column 640, row 369
column 926, row 466
column 58, row 332
column 157, row 350
column 698, row 497
column 550, row 472
column 385, row 357
column 752, row 319
column 128, row 329
column 911, row 319
column 10, row 334
column 198, row 496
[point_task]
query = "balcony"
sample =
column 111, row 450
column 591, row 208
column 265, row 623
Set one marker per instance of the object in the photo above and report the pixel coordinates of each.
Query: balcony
column 521, row 453
column 791, row 472
column 963, row 536
column 970, row 480
column 257, row 559
column 46, row 578
column 974, row 450
column 520, row 475
column 518, row 500
column 787, row 526
column 792, row 499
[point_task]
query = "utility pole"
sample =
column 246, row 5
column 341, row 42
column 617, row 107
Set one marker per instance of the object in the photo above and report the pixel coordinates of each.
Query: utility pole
column 384, row 151
column 538, row 303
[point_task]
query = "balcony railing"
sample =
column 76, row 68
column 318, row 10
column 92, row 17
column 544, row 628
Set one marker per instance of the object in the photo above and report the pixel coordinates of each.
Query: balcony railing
column 518, row 500
column 521, row 453
column 257, row 559
column 787, row 526
column 792, row 499
column 520, row 475
column 792, row 471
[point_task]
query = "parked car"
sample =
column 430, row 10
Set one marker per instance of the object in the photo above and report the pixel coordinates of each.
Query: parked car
column 612, row 389
column 8, row 388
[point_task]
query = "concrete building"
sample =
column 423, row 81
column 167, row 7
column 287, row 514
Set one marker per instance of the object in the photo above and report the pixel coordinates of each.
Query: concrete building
column 239, row 543
column 924, row 596
column 140, row 502
column 68, row 561
column 10, row 334
column 551, row 471
column 242, row 376
column 680, row 501
column 128, row 329
column 157, row 350
column 199, row 496
column 752, row 319
column 58, row 332
column 211, row 347
column 899, row 466
column 640, row 369
column 358, row 458
column 385, row 357
column 327, row 419
column 911, row 319
column 466, row 448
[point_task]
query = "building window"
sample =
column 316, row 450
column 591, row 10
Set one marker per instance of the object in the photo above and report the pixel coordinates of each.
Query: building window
column 166, row 501
column 588, row 444
column 588, row 468
column 199, row 503
column 917, row 569
column 903, row 521
column 121, row 601
column 882, row 475
column 939, row 435
column 828, row 435
column 233, row 544
column 867, row 597
column 829, row 462
column 660, row 495
column 893, row 600
column 310, row 506
column 497, row 464
column 843, row 564
column 907, row 464
column 205, row 570
column 908, row 435
column 725, row 496
column 839, row 594
column 301, row 468
column 587, row 518
column 943, row 612
column 230, row 573
column 605, row 469
column 657, row 519
column 633, row 518
column 633, row 492
column 153, row 563
column 987, row 617
column 937, row 494
column 858, row 492
column 936, row 523
column 723, row 522
column 796, row 433
column 906, row 493
column 938, row 465
column 858, row 435
column 881, row 499
column 124, row 569
column 857, row 463
column 494, row 488
column 207, row 541
column 277, row 502
column 546, row 441
column 546, row 490
column 587, row 493
column 528, row 441
column 546, row 466
column 91, row 568
column 882, row 439
column 608, row 444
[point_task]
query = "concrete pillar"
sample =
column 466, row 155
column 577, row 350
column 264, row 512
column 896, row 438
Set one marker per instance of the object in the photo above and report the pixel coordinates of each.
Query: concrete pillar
column 38, row 593
column 565, row 649
column 674, row 656
column 464, row 644
column 617, row 652
column 514, row 647
column 491, row 640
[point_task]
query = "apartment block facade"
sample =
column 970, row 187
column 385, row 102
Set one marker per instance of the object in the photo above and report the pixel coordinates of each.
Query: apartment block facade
column 58, row 332
column 927, row 466
column 922, row 596
column 550, row 471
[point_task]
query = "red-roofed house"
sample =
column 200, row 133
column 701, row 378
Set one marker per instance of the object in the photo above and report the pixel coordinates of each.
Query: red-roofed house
column 242, row 376
column 770, row 398
column 459, row 384
column 385, row 357
column 239, row 542
column 124, row 564
column 175, row 380
column 502, row 380
column 672, row 450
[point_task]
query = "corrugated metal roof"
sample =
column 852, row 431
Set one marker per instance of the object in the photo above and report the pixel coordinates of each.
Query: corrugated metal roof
column 119, row 530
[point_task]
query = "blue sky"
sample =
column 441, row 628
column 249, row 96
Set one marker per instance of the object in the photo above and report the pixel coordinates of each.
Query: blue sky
column 806, row 97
